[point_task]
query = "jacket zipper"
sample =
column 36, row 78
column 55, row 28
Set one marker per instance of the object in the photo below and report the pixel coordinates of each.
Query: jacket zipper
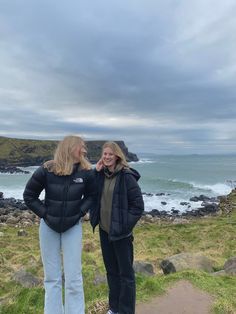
column 65, row 192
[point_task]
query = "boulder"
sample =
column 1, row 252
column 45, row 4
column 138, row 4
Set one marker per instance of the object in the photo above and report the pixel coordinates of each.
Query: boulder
column 174, row 211
column 154, row 212
column 194, row 199
column 3, row 218
column 230, row 266
column 184, row 203
column 12, row 220
column 209, row 207
column 147, row 194
column 26, row 279
column 148, row 218
column 184, row 261
column 143, row 268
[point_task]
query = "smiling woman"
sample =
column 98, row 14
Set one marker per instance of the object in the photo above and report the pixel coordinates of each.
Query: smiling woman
column 118, row 209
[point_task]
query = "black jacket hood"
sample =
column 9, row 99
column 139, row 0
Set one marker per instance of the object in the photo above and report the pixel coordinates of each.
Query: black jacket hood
column 134, row 172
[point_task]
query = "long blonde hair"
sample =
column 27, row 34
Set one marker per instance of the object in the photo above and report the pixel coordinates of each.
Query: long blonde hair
column 117, row 152
column 64, row 160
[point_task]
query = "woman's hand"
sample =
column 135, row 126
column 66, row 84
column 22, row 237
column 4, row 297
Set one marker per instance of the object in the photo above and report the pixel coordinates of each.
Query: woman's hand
column 99, row 165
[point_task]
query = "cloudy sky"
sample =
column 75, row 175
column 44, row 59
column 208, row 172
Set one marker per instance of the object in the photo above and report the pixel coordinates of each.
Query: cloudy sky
column 159, row 74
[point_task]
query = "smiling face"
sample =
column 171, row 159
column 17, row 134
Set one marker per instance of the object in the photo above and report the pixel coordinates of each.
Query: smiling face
column 109, row 158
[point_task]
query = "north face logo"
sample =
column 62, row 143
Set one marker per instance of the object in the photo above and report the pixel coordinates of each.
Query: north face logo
column 78, row 180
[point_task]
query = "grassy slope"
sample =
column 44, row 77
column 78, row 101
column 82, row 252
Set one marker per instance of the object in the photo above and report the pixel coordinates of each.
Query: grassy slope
column 213, row 237
column 33, row 152
column 14, row 151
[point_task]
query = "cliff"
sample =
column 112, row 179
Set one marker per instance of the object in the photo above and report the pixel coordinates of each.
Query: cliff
column 24, row 152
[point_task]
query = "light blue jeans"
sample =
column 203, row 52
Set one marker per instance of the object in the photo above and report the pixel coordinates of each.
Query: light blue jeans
column 56, row 247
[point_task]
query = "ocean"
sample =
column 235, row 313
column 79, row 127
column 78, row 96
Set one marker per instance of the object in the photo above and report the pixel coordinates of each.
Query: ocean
column 176, row 177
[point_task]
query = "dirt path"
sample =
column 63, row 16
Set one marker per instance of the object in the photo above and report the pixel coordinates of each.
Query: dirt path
column 182, row 298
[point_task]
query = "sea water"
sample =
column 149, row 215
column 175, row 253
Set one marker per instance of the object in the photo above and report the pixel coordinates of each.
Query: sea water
column 178, row 178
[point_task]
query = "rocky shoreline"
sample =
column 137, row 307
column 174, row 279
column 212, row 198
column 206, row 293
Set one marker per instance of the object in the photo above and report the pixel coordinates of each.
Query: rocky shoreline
column 12, row 170
column 208, row 206
column 14, row 212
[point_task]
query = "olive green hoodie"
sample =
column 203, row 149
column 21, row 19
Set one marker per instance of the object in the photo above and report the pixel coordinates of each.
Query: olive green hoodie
column 107, row 195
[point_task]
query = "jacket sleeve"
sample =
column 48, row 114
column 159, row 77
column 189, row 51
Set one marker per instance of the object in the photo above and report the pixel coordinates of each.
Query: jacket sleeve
column 135, row 200
column 33, row 188
column 89, row 194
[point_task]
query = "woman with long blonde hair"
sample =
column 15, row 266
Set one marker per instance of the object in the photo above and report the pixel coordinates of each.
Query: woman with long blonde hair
column 119, row 207
column 69, row 194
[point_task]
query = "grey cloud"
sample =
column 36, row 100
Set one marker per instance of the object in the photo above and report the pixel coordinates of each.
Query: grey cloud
column 156, row 60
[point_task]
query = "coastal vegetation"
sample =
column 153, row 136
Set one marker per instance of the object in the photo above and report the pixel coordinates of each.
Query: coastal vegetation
column 25, row 152
column 213, row 237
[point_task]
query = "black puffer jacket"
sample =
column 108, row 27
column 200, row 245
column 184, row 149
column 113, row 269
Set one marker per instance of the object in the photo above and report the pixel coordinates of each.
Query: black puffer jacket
column 127, row 204
column 67, row 198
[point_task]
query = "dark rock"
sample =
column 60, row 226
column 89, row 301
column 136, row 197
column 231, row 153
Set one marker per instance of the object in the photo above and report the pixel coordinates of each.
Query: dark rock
column 3, row 211
column 164, row 213
column 184, row 203
column 203, row 198
column 160, row 194
column 1, row 195
column 147, row 194
column 209, row 207
column 155, row 212
column 143, row 268
column 175, row 211
column 194, row 199
column 164, row 203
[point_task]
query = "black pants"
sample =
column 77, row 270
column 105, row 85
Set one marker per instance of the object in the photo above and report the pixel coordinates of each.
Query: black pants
column 118, row 260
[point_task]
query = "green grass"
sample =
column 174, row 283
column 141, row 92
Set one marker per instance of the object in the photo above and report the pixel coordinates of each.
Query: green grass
column 214, row 237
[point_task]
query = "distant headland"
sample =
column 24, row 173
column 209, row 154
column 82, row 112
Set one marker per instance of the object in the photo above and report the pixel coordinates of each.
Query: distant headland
column 27, row 152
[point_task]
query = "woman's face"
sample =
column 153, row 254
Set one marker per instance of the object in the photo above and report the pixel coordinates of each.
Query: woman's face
column 109, row 158
column 80, row 150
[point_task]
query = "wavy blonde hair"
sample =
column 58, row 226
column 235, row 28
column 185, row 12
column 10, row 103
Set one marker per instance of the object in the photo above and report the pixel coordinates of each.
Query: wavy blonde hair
column 64, row 160
column 117, row 152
